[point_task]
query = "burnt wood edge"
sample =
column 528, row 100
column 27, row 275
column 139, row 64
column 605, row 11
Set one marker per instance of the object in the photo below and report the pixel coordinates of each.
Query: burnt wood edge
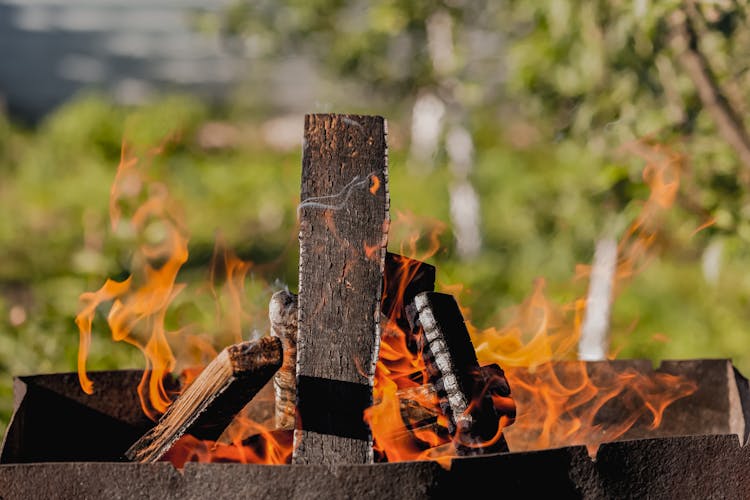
column 335, row 147
column 464, row 388
column 743, row 387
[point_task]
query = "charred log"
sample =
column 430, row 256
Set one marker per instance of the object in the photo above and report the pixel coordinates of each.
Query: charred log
column 467, row 394
column 282, row 312
column 343, row 234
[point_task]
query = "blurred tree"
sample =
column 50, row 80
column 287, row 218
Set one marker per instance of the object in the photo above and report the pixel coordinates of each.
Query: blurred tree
column 602, row 74
column 442, row 57
column 567, row 83
column 597, row 73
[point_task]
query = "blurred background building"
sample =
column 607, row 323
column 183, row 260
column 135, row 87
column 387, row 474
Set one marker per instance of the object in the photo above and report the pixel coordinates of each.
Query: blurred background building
column 50, row 50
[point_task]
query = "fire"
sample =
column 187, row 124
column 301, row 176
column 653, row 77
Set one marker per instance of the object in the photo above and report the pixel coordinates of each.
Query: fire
column 235, row 273
column 138, row 306
column 558, row 404
column 562, row 405
column 139, row 303
column 401, row 368
column 262, row 447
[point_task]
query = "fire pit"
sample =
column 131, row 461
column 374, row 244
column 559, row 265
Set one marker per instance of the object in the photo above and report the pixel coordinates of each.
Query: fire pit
column 697, row 452
column 460, row 426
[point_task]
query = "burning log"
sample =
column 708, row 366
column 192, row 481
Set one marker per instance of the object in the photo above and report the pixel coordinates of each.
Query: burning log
column 404, row 279
column 210, row 403
column 475, row 400
column 343, row 234
column 282, row 312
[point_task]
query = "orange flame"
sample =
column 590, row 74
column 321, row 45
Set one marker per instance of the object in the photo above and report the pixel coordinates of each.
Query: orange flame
column 558, row 404
column 375, row 184
column 399, row 368
column 564, row 406
column 138, row 306
column 269, row 448
column 235, row 272
column 139, row 303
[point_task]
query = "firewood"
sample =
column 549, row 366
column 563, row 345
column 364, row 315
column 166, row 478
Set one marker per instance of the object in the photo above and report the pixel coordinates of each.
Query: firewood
column 404, row 279
column 465, row 390
column 343, row 234
column 210, row 403
column 282, row 312
column 417, row 406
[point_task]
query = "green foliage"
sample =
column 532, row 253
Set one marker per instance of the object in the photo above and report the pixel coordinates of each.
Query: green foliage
column 603, row 74
column 553, row 102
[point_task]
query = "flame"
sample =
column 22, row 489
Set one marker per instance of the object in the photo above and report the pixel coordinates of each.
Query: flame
column 558, row 404
column 401, row 368
column 235, row 272
column 375, row 186
column 565, row 406
column 139, row 303
column 269, row 448
column 141, row 208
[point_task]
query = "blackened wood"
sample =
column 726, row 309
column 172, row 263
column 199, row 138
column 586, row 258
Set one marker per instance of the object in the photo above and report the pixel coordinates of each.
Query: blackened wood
column 404, row 279
column 282, row 312
column 465, row 391
column 343, row 235
column 210, row 403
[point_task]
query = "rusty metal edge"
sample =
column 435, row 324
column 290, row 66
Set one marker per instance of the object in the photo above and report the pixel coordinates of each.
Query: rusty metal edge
column 715, row 466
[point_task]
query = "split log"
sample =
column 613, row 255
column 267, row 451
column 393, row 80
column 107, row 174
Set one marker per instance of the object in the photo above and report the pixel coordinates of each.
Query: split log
column 343, row 235
column 404, row 279
column 466, row 392
column 210, row 403
column 282, row 311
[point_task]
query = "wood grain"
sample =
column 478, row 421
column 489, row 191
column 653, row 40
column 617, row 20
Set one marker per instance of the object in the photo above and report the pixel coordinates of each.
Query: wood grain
column 343, row 235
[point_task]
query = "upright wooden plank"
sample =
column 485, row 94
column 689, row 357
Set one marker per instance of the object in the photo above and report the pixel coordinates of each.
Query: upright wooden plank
column 343, row 234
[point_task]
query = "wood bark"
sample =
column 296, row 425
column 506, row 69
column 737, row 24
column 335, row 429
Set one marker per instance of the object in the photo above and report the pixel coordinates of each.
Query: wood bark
column 282, row 312
column 343, row 234
column 404, row 278
column 210, row 403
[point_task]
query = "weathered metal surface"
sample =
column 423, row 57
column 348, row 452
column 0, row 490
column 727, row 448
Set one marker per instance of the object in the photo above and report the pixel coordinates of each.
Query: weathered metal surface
column 720, row 405
column 685, row 467
column 678, row 467
column 54, row 420
column 413, row 480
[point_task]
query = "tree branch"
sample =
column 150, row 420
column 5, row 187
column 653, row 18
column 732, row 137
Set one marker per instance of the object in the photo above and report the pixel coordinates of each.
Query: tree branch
column 729, row 124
